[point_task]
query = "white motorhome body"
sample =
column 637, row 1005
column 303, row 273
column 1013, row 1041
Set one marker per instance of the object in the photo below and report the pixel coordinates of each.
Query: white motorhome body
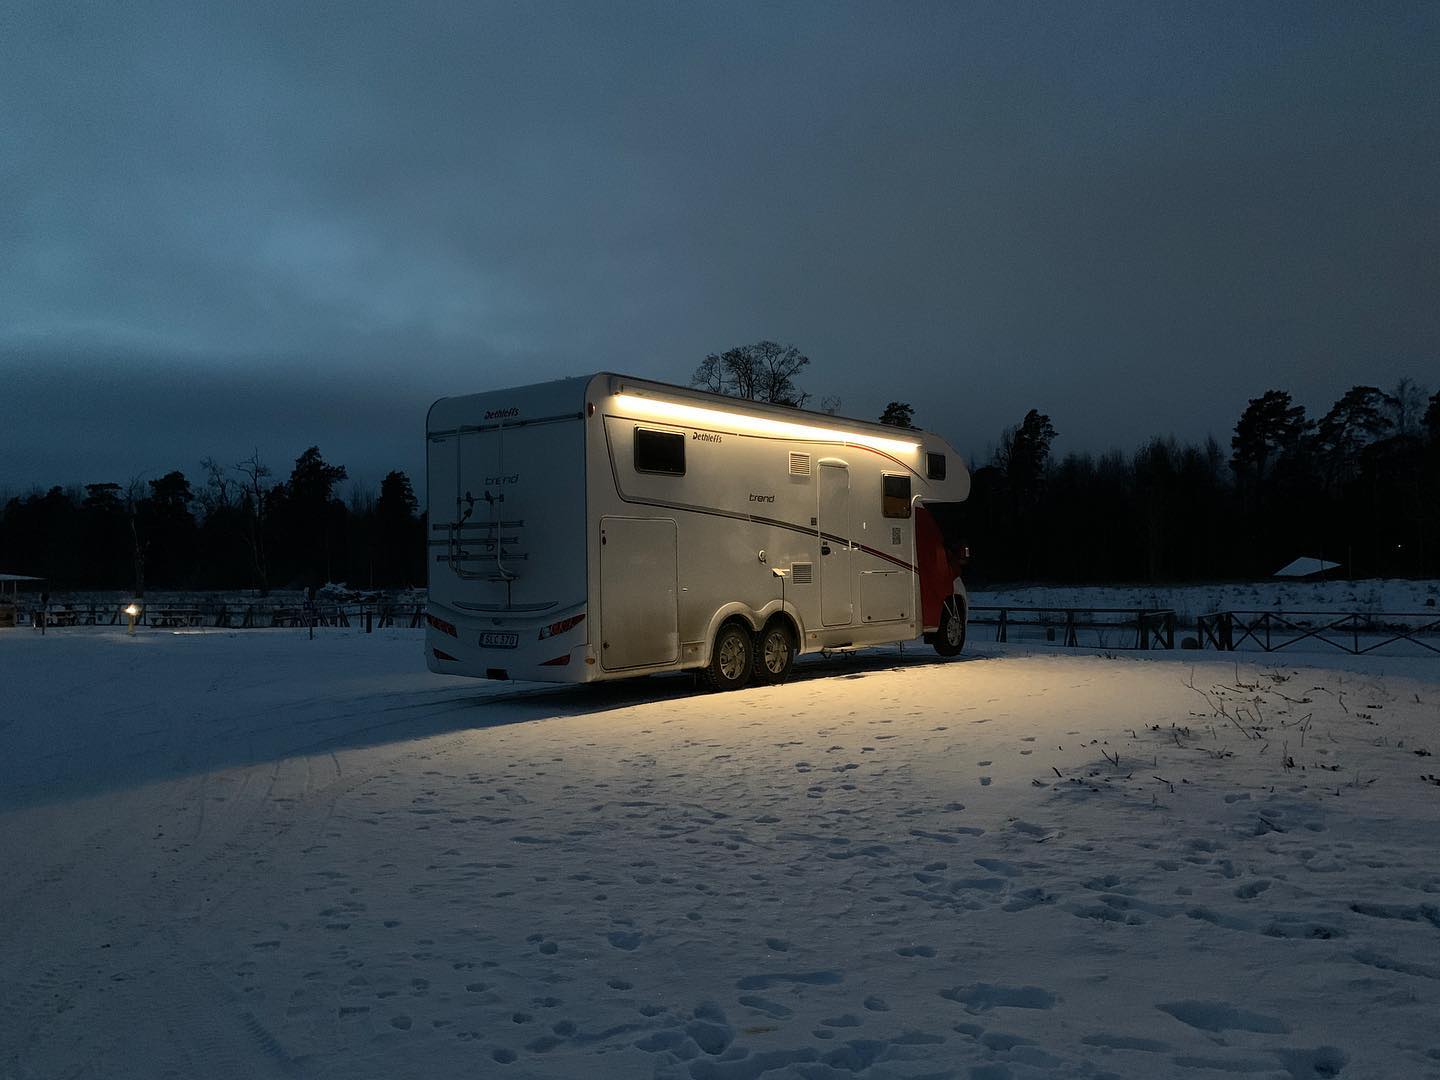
column 607, row 526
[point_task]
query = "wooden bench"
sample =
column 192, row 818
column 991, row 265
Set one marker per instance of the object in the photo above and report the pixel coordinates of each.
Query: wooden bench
column 175, row 617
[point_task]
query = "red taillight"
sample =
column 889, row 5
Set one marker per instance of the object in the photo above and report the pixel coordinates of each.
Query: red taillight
column 442, row 625
column 559, row 661
column 561, row 626
column 444, row 655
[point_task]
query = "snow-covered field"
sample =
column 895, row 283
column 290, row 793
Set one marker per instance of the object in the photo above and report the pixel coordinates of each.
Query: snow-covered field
column 251, row 855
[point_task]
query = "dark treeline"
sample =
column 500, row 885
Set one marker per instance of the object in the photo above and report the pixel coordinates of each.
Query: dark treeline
column 1359, row 486
column 239, row 527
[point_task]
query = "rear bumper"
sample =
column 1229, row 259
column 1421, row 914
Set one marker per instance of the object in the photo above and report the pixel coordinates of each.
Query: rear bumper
column 563, row 658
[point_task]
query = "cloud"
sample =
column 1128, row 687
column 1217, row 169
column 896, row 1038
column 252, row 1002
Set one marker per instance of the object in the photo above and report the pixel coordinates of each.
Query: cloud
column 1133, row 217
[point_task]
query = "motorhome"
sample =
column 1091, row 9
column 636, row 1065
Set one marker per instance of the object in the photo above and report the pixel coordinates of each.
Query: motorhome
column 605, row 527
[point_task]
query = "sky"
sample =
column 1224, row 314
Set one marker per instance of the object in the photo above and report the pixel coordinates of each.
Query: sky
column 236, row 227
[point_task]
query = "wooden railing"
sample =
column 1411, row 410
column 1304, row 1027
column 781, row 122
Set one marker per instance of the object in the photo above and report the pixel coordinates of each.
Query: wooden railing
column 247, row 616
column 1352, row 632
column 1153, row 628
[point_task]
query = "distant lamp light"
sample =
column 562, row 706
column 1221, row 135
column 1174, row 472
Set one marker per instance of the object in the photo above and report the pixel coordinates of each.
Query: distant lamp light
column 133, row 611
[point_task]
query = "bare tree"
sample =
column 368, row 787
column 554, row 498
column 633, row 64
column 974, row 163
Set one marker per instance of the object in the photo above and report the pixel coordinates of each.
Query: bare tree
column 255, row 501
column 764, row 371
column 134, row 495
column 219, row 493
column 1407, row 406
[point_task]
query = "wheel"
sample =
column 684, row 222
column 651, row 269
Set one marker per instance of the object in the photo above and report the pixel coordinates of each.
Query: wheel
column 950, row 638
column 774, row 653
column 731, row 660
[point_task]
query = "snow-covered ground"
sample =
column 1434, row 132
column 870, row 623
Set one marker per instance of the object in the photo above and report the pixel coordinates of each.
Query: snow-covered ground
column 250, row 854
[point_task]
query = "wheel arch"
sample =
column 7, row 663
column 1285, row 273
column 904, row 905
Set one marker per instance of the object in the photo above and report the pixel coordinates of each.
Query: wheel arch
column 790, row 622
column 733, row 612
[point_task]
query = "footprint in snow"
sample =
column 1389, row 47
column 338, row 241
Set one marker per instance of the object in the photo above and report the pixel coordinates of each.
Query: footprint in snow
column 1125, row 1042
column 981, row 997
column 1029, row 828
column 774, row 1010
column 999, row 866
column 916, row 950
column 1218, row 1016
column 812, row 978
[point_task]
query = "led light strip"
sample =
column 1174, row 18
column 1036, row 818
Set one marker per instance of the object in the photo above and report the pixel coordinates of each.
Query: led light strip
column 758, row 425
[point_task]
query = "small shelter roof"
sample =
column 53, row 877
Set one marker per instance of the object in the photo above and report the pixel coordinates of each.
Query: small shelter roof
column 1305, row 566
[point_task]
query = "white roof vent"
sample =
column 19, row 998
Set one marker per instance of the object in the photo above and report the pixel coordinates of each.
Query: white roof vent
column 799, row 464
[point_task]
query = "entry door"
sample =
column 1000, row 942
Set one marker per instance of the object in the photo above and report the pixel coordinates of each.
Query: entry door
column 638, row 613
column 835, row 603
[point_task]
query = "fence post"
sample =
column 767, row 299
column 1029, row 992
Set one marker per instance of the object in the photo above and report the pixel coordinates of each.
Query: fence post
column 368, row 615
column 1000, row 626
column 1142, row 636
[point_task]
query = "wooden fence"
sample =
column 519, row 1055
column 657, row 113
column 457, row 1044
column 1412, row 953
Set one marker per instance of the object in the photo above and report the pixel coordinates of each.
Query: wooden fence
column 1351, row 632
column 1140, row 628
column 248, row 616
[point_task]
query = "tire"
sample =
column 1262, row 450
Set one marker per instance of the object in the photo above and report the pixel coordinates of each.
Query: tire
column 950, row 638
column 774, row 653
column 732, row 659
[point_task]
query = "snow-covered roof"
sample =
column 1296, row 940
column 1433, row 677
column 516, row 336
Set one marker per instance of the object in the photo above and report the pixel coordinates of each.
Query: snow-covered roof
column 1306, row 567
column 19, row 577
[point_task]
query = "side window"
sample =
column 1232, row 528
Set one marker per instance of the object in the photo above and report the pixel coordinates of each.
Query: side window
column 895, row 497
column 659, row 452
column 935, row 466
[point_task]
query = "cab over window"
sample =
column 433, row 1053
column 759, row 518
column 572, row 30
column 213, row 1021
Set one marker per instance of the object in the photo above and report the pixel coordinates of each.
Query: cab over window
column 895, row 500
column 659, row 452
column 935, row 466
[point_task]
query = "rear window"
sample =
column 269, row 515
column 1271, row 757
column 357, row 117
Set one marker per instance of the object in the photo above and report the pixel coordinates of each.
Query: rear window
column 895, row 497
column 659, row 452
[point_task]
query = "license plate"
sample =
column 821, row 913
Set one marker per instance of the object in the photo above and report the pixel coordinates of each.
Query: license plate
column 499, row 641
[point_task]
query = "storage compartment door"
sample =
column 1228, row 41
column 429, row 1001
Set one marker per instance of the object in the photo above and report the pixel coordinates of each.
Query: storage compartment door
column 885, row 595
column 639, row 620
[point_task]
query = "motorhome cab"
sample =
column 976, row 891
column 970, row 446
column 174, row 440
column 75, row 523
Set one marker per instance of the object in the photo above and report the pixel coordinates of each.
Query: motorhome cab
column 605, row 527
